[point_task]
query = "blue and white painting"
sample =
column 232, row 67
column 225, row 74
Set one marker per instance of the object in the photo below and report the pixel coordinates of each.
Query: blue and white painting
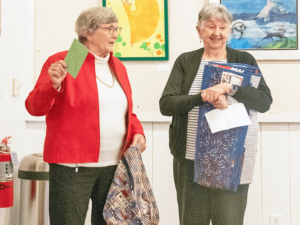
column 263, row 24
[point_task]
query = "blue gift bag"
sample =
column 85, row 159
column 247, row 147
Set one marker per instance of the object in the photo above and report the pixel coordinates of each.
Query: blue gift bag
column 219, row 156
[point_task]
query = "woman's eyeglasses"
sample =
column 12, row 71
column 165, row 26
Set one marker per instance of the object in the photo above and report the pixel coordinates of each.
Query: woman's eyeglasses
column 112, row 29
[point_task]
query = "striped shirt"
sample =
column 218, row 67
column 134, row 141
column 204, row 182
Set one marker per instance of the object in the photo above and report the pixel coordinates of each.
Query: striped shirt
column 193, row 114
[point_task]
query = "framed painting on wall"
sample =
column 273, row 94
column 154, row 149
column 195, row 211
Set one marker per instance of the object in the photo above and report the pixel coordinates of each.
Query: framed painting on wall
column 268, row 29
column 144, row 25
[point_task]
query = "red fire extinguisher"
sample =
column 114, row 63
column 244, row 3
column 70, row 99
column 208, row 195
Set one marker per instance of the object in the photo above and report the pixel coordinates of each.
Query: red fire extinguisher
column 6, row 175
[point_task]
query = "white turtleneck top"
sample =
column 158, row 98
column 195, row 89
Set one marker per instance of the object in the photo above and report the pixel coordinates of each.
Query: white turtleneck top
column 112, row 110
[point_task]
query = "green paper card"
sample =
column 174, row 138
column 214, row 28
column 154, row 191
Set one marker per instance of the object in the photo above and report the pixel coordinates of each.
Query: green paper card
column 75, row 57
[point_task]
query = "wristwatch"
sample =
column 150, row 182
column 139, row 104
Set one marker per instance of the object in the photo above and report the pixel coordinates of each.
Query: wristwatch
column 234, row 88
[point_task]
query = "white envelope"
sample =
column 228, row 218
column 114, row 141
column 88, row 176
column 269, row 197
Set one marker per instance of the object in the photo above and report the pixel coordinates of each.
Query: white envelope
column 234, row 116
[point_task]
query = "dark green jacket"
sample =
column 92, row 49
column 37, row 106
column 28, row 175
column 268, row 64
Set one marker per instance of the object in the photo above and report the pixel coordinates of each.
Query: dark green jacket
column 176, row 101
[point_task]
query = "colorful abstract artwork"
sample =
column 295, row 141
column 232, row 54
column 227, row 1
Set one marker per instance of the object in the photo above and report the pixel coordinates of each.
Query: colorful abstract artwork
column 144, row 25
column 263, row 24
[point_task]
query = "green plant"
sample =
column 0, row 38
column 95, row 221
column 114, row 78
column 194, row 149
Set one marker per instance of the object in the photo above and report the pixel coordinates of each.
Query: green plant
column 119, row 42
column 155, row 49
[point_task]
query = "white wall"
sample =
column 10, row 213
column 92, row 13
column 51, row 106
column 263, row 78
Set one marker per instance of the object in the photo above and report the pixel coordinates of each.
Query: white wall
column 276, row 181
column 13, row 65
column 276, row 184
column 54, row 32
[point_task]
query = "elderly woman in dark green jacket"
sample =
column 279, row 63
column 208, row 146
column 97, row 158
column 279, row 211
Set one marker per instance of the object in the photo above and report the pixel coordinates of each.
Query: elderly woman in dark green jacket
column 181, row 99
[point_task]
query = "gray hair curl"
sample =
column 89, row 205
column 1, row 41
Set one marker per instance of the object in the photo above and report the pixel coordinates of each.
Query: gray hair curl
column 89, row 20
column 212, row 10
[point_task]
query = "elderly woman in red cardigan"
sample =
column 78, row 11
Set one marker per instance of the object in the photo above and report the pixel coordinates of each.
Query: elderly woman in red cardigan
column 89, row 119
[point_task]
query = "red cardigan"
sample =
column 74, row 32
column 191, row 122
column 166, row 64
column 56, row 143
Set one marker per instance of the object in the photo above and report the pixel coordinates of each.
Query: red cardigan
column 72, row 115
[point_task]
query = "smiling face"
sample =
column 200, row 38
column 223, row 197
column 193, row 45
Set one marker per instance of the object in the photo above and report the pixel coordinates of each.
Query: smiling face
column 214, row 34
column 102, row 42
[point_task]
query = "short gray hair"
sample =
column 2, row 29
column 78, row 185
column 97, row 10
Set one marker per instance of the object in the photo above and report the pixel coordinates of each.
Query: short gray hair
column 89, row 20
column 213, row 10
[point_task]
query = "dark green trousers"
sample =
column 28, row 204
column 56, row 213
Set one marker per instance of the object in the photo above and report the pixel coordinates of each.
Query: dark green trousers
column 198, row 204
column 70, row 192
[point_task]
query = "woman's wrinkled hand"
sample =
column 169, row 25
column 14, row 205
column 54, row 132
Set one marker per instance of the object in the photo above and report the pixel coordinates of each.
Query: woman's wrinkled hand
column 221, row 103
column 139, row 138
column 57, row 73
column 212, row 94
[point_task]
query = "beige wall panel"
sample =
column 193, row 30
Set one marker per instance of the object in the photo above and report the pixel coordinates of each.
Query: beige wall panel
column 282, row 75
column 163, row 183
column 88, row 218
column 275, row 171
column 294, row 131
column 147, row 155
column 35, row 137
column 54, row 27
column 253, row 211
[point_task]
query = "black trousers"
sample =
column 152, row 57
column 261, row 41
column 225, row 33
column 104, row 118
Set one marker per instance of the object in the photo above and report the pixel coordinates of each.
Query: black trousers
column 198, row 204
column 70, row 192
